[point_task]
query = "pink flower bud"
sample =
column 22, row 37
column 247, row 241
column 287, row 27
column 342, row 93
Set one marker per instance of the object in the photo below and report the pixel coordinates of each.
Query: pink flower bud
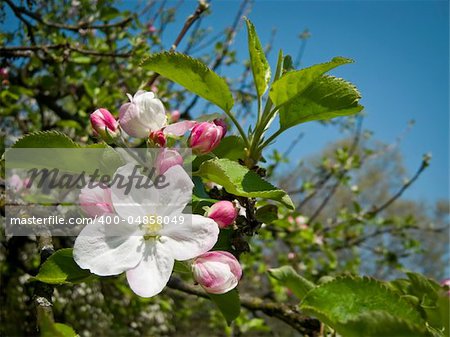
column 144, row 114
column 217, row 272
column 4, row 73
column 291, row 256
column 15, row 183
column 221, row 122
column 175, row 116
column 166, row 159
column 26, row 183
column 96, row 201
column 158, row 138
column 104, row 124
column 446, row 283
column 151, row 28
column 223, row 212
column 205, row 137
column 302, row 222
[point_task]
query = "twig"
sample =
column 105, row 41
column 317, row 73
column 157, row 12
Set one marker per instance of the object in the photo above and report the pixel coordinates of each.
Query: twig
column 28, row 51
column 202, row 6
column 288, row 314
column 19, row 15
column 375, row 210
column 341, row 174
column 18, row 10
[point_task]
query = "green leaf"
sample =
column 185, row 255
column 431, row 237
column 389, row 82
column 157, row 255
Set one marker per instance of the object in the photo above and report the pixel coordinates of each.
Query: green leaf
column 193, row 75
column 61, row 268
column 340, row 302
column 430, row 302
column 327, row 97
column 239, row 180
column 46, row 139
column 65, row 154
column 182, row 267
column 294, row 83
column 267, row 214
column 228, row 304
column 232, row 147
column 289, row 278
column 64, row 330
column 260, row 66
column 381, row 324
column 82, row 59
column 224, row 240
column 50, row 329
column 443, row 305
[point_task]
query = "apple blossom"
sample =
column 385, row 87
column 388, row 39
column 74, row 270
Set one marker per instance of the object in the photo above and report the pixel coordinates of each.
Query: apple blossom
column 175, row 116
column 223, row 212
column 142, row 115
column 15, row 183
column 96, row 201
column 104, row 124
column 157, row 138
column 166, row 159
column 143, row 244
column 217, row 272
column 205, row 137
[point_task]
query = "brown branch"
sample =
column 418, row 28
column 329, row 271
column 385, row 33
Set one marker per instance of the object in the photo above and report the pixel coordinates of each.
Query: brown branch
column 202, row 7
column 28, row 51
column 341, row 174
column 288, row 314
column 43, row 292
column 18, row 11
column 375, row 210
column 19, row 15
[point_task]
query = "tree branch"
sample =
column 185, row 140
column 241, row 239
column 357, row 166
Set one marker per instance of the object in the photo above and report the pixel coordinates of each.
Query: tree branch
column 28, row 51
column 43, row 292
column 288, row 314
column 375, row 210
column 18, row 11
column 202, row 6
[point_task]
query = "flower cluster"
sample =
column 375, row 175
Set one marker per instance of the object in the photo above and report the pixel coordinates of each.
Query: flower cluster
column 145, row 117
column 146, row 250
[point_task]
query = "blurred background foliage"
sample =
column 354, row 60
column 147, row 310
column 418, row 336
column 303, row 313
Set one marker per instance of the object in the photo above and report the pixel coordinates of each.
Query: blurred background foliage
column 63, row 59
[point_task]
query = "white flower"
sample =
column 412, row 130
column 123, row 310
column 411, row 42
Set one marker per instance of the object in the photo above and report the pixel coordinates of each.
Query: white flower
column 144, row 113
column 146, row 250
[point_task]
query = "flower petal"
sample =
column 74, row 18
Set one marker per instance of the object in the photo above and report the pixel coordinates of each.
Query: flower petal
column 151, row 110
column 179, row 129
column 175, row 196
column 129, row 121
column 194, row 237
column 108, row 249
column 151, row 275
column 135, row 202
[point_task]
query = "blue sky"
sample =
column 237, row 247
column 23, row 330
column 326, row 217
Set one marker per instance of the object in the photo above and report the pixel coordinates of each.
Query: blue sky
column 401, row 49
